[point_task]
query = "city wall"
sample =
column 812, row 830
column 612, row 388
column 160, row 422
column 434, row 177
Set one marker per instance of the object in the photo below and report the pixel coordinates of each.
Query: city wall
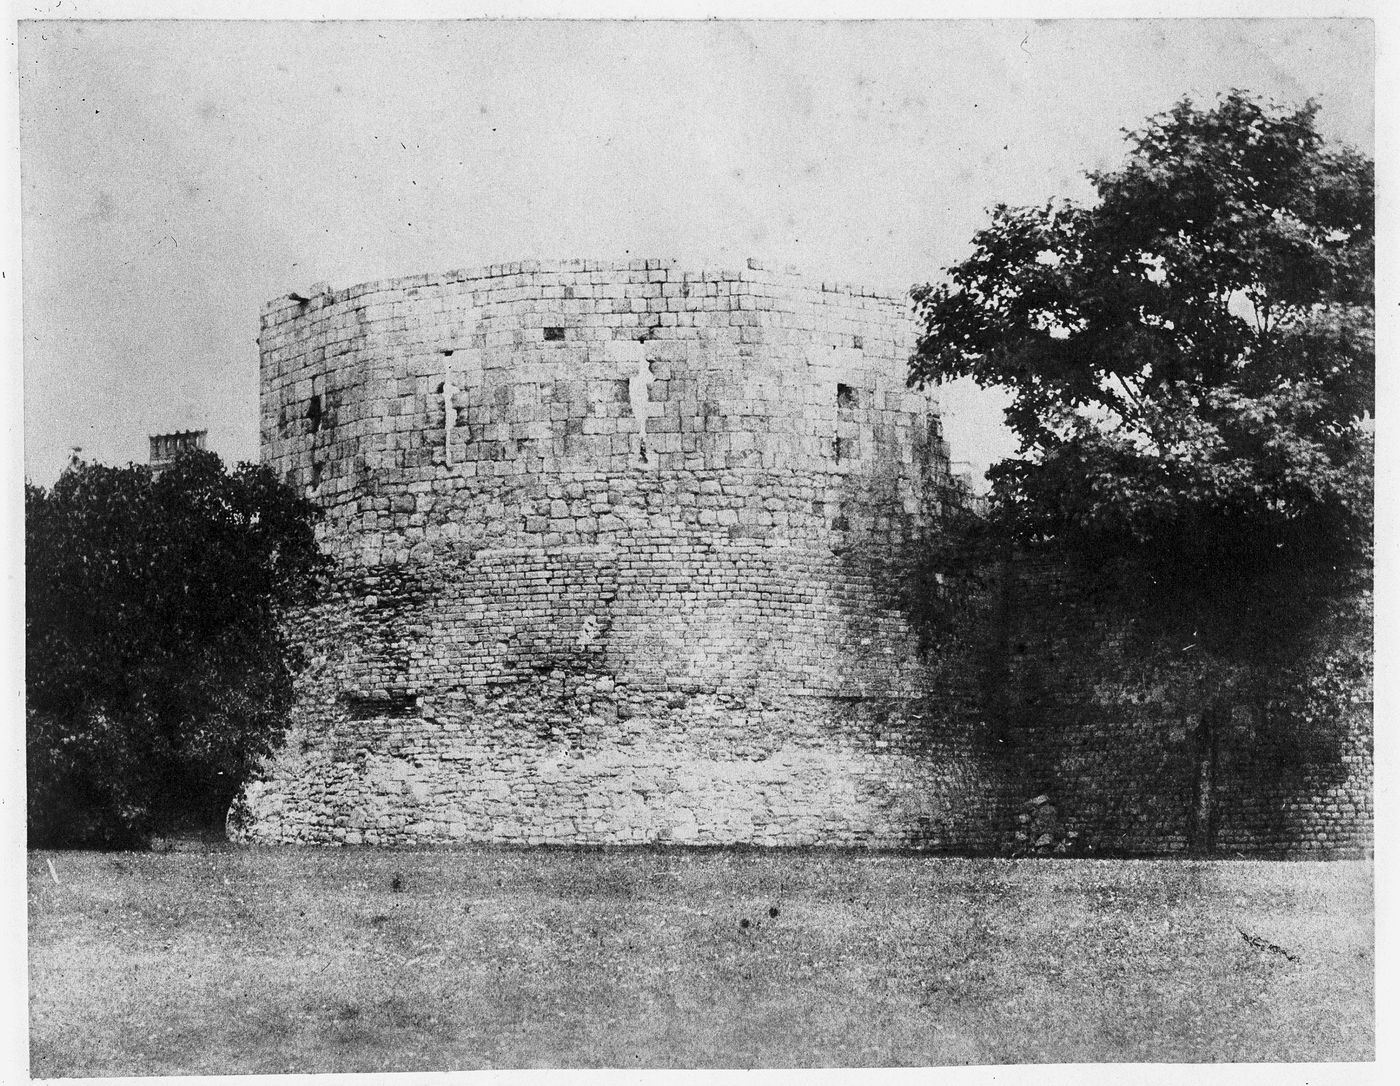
column 632, row 553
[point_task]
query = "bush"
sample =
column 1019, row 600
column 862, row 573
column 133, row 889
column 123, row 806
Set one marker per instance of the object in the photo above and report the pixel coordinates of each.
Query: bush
column 157, row 672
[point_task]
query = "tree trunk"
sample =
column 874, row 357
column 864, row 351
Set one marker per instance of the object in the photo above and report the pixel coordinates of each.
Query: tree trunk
column 1205, row 750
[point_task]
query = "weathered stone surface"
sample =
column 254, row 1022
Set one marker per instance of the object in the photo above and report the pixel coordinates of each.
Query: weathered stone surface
column 617, row 584
column 624, row 556
column 1122, row 755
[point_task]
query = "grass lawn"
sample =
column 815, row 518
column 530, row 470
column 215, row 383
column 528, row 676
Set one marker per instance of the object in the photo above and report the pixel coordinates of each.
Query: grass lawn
column 296, row 960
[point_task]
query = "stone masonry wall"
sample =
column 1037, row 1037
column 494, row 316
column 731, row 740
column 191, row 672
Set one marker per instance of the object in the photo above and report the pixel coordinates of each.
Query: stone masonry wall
column 1115, row 759
column 625, row 555
column 621, row 552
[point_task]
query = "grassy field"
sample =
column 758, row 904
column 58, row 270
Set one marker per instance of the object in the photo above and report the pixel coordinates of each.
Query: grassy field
column 242, row 961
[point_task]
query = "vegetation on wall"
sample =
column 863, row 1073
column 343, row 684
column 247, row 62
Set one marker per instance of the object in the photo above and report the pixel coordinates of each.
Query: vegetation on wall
column 157, row 673
column 1191, row 362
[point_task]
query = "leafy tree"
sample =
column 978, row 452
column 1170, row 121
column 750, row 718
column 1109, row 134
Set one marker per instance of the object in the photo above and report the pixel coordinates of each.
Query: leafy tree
column 1191, row 363
column 157, row 671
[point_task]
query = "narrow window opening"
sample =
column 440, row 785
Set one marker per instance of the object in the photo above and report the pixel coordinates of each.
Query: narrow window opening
column 636, row 393
column 553, row 332
column 313, row 412
column 858, row 342
column 396, row 704
column 843, row 448
column 845, row 396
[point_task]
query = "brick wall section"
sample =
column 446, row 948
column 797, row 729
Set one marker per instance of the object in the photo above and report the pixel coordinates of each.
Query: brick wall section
column 620, row 551
column 1115, row 756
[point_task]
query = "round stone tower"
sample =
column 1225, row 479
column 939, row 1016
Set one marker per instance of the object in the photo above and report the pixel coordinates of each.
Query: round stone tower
column 621, row 557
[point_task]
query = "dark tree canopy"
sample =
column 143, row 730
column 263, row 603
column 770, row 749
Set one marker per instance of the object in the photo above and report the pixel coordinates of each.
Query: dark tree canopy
column 157, row 674
column 1190, row 359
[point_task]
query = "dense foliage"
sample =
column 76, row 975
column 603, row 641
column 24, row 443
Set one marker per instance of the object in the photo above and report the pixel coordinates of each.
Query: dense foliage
column 1191, row 361
column 157, row 671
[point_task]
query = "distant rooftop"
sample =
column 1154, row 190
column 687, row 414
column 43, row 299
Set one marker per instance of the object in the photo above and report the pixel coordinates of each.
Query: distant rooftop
column 165, row 447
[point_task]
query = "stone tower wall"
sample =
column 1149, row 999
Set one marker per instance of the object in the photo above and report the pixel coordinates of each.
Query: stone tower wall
column 621, row 559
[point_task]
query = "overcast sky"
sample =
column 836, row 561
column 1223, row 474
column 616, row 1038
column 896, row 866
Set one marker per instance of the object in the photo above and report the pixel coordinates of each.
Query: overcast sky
column 176, row 175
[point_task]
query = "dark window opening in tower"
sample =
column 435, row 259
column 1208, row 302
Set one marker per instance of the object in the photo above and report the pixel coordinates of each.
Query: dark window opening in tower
column 314, row 412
